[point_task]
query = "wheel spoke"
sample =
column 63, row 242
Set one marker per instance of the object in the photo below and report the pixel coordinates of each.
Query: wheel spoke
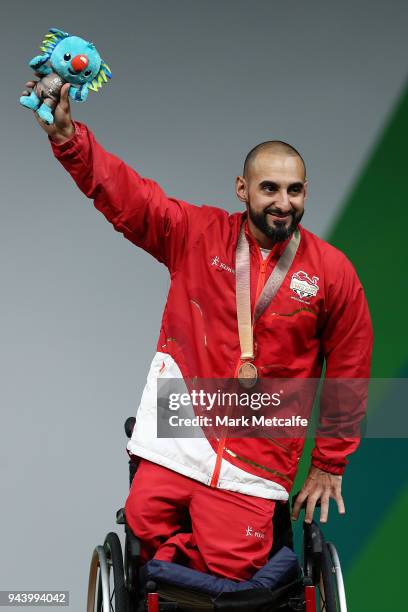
column 112, row 599
column 322, row 596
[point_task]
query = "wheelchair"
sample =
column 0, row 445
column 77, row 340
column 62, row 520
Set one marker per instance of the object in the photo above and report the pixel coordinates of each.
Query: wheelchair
column 115, row 584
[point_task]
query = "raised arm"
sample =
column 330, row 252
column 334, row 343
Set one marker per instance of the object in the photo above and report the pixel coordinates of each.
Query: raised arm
column 136, row 206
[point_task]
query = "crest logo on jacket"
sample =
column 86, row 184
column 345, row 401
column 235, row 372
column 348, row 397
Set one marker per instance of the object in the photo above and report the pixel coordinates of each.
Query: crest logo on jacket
column 304, row 286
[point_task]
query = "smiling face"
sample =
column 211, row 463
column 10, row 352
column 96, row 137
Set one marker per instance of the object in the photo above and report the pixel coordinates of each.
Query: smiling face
column 274, row 189
column 76, row 60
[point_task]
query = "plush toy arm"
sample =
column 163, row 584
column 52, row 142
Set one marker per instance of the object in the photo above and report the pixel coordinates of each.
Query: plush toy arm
column 37, row 64
column 79, row 94
column 72, row 92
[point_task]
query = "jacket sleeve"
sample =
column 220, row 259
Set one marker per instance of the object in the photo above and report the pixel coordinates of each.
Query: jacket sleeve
column 136, row 206
column 347, row 339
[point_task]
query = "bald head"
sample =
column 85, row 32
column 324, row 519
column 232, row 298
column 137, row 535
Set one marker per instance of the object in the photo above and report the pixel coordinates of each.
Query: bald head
column 271, row 147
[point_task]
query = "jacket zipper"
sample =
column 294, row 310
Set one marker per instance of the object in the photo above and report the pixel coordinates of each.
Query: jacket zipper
column 221, row 444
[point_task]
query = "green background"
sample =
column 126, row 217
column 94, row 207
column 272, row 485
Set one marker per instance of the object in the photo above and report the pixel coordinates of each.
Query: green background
column 371, row 229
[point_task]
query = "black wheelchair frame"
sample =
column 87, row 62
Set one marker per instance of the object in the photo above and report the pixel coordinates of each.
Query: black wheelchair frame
column 114, row 584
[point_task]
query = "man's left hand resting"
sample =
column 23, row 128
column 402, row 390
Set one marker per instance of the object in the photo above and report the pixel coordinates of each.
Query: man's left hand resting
column 319, row 485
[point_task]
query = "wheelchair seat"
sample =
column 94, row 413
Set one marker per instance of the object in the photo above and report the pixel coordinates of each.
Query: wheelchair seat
column 279, row 570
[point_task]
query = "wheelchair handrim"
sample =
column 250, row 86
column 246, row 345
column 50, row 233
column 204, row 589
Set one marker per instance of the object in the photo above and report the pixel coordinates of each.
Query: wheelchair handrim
column 98, row 561
column 341, row 593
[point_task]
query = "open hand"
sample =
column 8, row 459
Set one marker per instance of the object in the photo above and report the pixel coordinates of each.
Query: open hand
column 62, row 129
column 319, row 485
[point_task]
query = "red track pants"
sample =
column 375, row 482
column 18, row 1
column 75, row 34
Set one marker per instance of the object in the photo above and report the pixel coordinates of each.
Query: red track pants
column 231, row 532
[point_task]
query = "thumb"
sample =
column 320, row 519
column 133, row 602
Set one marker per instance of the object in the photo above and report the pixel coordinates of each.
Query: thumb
column 64, row 100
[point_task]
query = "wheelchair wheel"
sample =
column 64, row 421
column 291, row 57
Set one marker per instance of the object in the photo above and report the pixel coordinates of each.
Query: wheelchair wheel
column 117, row 591
column 106, row 579
column 331, row 588
column 98, row 584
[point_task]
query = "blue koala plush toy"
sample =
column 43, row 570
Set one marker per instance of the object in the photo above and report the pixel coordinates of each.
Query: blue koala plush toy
column 72, row 60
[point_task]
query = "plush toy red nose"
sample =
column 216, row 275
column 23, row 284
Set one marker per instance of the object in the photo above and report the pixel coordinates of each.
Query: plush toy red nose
column 79, row 62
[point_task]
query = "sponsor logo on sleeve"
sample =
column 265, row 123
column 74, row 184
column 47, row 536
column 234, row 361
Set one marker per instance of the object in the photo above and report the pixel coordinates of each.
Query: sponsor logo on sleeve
column 215, row 261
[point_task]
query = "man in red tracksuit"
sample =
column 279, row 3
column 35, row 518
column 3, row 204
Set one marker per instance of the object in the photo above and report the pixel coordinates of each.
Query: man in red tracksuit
column 317, row 311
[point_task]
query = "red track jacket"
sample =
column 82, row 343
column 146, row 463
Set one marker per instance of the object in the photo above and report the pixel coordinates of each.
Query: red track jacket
column 199, row 333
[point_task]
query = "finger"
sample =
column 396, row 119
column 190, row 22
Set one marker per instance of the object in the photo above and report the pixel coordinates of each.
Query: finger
column 64, row 100
column 310, row 507
column 298, row 504
column 28, row 88
column 38, row 118
column 45, row 126
column 324, row 508
column 40, row 121
column 340, row 503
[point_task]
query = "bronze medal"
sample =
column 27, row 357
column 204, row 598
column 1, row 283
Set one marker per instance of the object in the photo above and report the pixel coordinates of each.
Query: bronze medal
column 247, row 375
column 247, row 372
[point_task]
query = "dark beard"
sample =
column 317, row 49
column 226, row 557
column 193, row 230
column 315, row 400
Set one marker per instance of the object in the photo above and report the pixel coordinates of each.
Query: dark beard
column 281, row 232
